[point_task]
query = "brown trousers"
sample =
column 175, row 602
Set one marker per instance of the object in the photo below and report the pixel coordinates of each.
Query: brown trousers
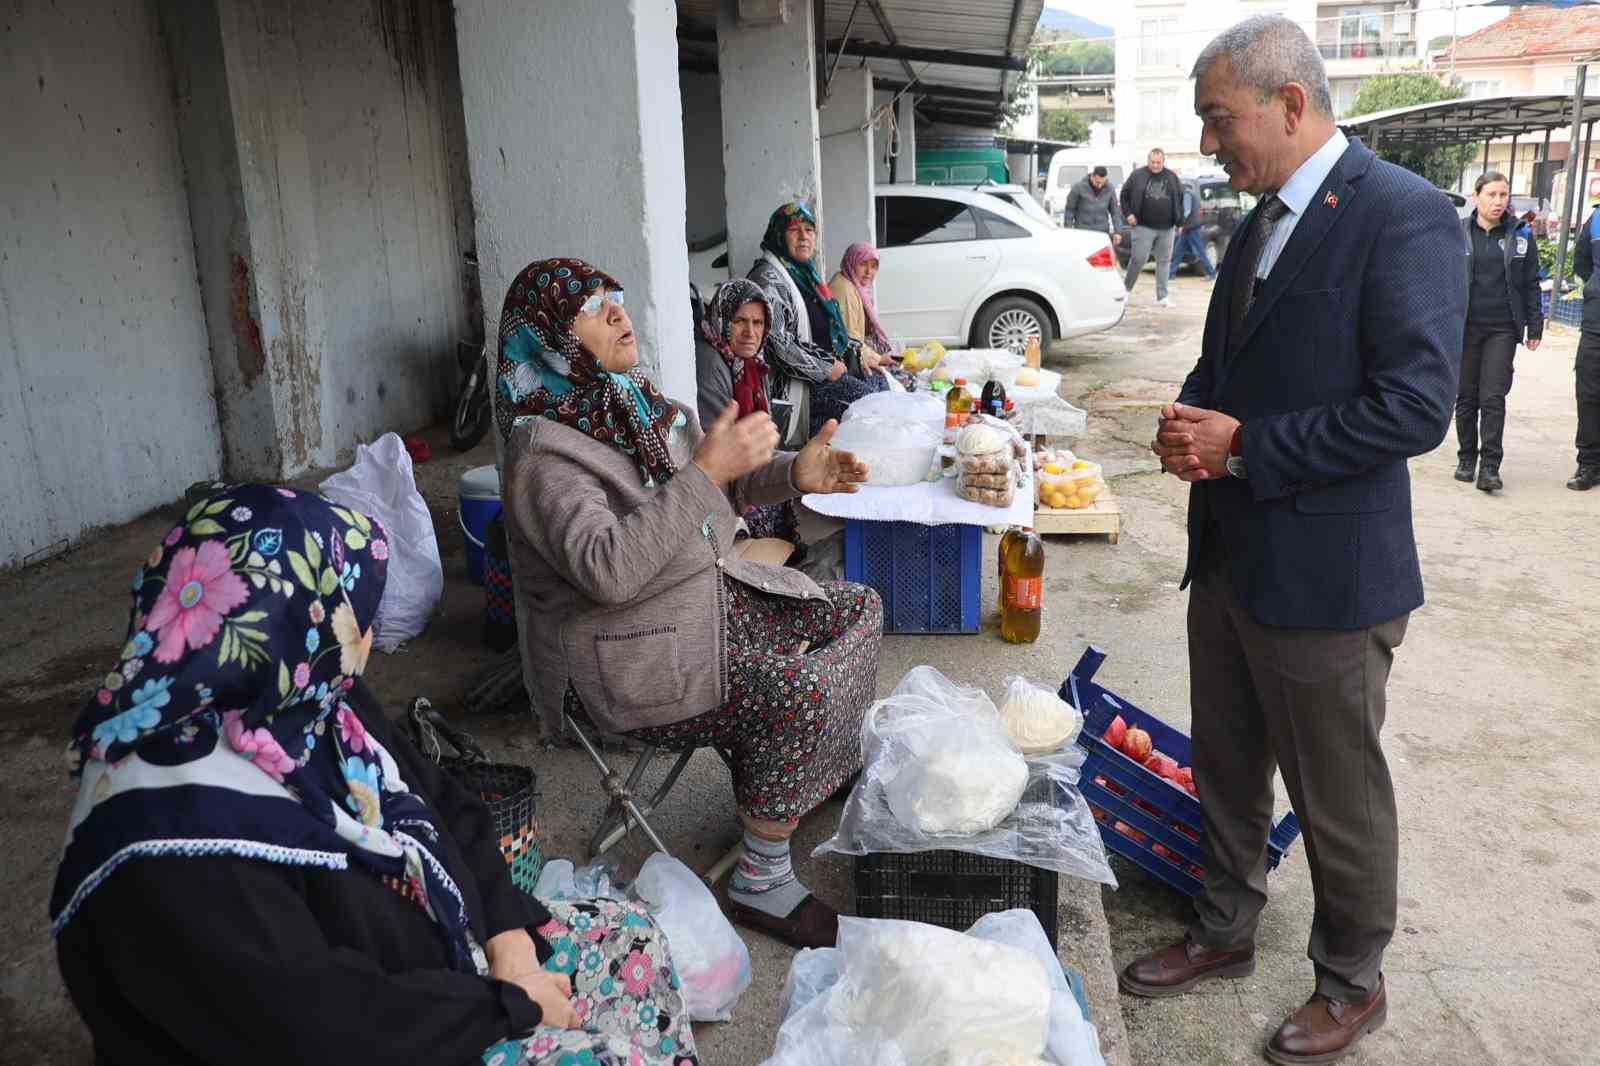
column 1311, row 703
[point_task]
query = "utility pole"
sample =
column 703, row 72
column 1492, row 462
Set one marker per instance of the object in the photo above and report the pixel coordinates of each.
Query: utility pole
column 1452, row 42
column 1574, row 177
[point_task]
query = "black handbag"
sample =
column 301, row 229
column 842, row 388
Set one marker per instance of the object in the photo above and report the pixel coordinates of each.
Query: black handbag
column 509, row 790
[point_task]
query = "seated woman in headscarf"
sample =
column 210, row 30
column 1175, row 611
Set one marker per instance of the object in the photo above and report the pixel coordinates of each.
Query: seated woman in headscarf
column 807, row 324
column 258, row 868
column 621, row 516
column 853, row 288
column 732, row 366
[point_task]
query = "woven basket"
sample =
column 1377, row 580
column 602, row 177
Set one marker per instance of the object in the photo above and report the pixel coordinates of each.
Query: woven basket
column 509, row 791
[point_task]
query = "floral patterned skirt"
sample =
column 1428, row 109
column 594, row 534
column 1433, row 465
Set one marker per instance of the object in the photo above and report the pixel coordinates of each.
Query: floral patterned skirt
column 623, row 987
column 791, row 729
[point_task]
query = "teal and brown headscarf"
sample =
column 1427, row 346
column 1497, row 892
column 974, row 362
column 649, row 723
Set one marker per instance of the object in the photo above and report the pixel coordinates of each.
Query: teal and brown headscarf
column 544, row 371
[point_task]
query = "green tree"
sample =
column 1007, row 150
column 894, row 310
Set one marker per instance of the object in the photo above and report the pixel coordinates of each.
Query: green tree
column 1442, row 166
column 1080, row 57
column 1063, row 125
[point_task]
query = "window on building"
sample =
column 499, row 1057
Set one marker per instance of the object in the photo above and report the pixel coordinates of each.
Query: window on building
column 927, row 220
column 1158, row 42
column 1482, row 87
column 1344, row 92
column 1360, row 32
column 1158, row 112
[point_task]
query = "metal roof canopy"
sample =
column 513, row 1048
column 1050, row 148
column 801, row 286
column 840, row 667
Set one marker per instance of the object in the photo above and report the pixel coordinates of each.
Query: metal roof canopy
column 1447, row 123
column 960, row 57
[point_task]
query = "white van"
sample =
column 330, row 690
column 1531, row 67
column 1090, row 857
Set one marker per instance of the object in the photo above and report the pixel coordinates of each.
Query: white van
column 1069, row 165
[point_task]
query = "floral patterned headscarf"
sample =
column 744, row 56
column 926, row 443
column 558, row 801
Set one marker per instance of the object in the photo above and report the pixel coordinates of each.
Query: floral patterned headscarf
column 224, row 727
column 544, row 370
column 805, row 274
column 749, row 375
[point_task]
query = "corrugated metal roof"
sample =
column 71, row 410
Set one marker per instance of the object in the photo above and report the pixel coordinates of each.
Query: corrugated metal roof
column 981, row 27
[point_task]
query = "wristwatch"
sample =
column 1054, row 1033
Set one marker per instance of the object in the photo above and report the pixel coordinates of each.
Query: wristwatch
column 1235, row 460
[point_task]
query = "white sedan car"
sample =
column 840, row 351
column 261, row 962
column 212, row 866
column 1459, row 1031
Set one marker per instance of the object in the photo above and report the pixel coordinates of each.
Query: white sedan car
column 968, row 268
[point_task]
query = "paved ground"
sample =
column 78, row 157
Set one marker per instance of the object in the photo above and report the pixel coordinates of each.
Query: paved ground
column 1492, row 711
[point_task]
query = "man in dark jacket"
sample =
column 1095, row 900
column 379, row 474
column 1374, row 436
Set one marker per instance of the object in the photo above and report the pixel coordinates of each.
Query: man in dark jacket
column 1152, row 203
column 1588, row 368
column 1092, row 205
column 1329, row 359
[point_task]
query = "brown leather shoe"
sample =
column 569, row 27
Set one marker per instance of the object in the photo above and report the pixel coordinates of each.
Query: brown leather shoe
column 1174, row 970
column 1327, row 1029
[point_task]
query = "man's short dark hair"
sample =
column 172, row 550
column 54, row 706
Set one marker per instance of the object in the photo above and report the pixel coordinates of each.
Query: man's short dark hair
column 1155, row 151
column 1100, row 172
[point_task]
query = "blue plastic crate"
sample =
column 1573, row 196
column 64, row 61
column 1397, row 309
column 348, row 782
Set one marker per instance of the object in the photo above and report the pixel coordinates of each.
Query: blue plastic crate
column 1121, row 790
column 930, row 577
column 1568, row 312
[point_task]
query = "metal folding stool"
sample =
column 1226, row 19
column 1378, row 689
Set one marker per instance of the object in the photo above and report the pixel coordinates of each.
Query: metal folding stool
column 626, row 812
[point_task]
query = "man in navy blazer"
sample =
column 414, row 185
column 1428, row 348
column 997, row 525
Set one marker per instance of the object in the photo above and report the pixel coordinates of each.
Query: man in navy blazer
column 1330, row 357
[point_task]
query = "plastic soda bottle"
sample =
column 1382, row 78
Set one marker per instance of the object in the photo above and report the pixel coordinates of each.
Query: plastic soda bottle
column 1030, row 353
column 1005, row 545
column 1022, row 601
column 957, row 404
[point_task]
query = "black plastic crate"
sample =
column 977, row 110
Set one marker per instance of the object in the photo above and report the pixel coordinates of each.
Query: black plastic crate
column 952, row 889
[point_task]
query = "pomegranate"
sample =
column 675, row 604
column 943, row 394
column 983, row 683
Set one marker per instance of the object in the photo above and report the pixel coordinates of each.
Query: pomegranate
column 1115, row 732
column 1136, row 744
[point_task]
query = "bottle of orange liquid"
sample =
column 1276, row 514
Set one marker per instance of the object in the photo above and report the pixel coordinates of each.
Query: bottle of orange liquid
column 1030, row 353
column 1006, row 538
column 957, row 404
column 1022, row 598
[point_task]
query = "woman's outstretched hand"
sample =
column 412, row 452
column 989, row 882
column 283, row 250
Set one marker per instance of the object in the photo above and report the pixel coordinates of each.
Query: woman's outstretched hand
column 820, row 468
column 734, row 446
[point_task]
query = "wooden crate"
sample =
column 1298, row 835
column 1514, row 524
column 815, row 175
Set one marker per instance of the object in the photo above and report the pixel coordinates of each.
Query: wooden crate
column 1102, row 516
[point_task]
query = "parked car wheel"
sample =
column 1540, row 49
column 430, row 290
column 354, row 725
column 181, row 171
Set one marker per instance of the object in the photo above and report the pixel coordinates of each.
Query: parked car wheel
column 1009, row 322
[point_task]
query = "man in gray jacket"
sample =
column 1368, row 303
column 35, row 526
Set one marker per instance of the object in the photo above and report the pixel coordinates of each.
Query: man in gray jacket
column 1092, row 205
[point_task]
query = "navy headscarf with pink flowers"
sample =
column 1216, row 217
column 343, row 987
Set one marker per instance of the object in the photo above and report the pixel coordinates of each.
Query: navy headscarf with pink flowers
column 224, row 727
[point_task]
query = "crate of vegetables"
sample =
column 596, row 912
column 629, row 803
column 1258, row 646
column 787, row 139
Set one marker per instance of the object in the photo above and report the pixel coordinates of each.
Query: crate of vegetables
column 1140, row 787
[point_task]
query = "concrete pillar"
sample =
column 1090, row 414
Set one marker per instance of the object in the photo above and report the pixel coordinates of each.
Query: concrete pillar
column 906, row 130
column 847, row 178
column 249, row 181
column 575, row 143
column 769, row 122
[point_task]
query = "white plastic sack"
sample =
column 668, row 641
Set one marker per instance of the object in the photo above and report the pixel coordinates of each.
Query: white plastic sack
column 1050, row 827
column 712, row 961
column 380, row 484
column 897, row 451
column 906, row 994
column 923, row 407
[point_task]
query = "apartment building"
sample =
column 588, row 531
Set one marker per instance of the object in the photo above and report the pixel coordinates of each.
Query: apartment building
column 1158, row 41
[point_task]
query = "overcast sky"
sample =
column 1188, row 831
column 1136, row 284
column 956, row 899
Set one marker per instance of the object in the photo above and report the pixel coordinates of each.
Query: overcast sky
column 1433, row 16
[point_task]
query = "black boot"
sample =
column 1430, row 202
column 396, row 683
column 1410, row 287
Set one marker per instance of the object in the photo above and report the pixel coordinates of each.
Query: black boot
column 1489, row 478
column 1466, row 469
column 1585, row 479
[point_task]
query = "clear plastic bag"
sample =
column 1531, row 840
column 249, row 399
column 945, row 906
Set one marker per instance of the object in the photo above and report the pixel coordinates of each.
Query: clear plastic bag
column 712, row 961
column 1037, row 720
column 897, row 451
column 380, row 483
column 1050, row 827
column 906, row 994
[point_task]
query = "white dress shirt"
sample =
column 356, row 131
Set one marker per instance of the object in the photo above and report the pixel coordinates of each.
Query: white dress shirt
column 1296, row 195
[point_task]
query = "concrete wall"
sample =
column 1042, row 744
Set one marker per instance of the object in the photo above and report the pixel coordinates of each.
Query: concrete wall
column 322, row 146
column 379, row 84
column 105, row 383
column 702, row 155
column 575, row 139
column 847, row 165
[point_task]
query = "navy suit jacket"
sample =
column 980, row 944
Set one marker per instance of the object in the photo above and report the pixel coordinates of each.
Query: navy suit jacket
column 1346, row 367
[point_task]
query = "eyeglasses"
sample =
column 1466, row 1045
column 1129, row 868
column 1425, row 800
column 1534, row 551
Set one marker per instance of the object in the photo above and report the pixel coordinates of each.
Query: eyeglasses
column 593, row 304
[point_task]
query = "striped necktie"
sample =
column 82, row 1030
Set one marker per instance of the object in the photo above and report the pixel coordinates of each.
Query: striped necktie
column 1244, row 278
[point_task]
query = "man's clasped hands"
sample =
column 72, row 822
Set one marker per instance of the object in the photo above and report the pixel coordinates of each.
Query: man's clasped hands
column 1194, row 442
